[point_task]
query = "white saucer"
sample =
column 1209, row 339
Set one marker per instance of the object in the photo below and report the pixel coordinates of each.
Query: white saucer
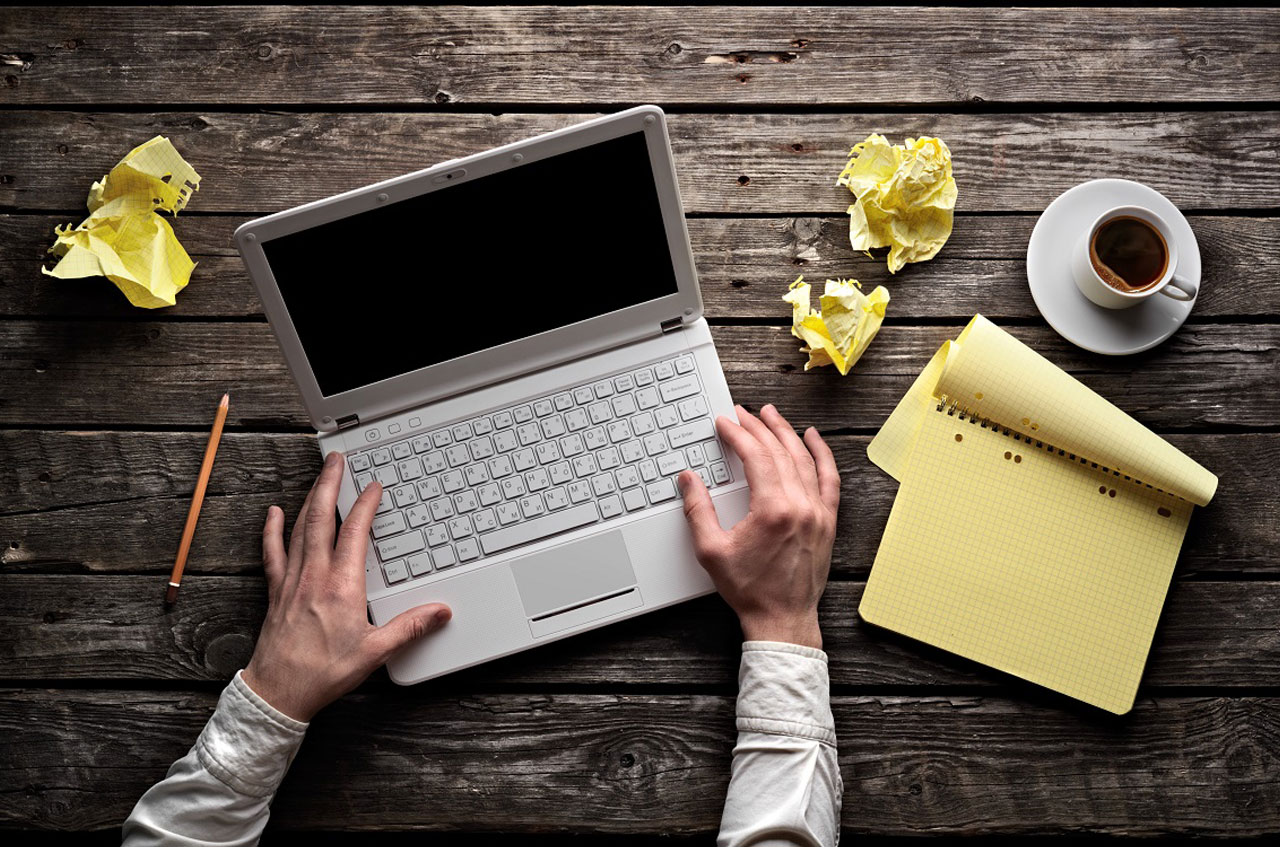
column 1115, row 332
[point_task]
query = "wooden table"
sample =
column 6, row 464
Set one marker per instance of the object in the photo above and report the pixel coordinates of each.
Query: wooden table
column 104, row 409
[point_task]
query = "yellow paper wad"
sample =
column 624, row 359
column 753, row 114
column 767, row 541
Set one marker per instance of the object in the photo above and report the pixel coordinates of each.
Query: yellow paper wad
column 124, row 239
column 906, row 197
column 837, row 334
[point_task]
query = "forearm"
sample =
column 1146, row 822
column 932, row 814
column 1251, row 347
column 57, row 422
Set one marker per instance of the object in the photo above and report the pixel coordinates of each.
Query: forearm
column 785, row 787
column 220, row 792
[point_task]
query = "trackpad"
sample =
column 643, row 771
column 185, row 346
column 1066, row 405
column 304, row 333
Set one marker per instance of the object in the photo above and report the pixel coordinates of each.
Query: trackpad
column 568, row 579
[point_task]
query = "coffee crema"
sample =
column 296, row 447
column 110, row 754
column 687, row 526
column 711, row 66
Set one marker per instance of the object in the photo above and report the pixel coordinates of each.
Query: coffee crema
column 1129, row 254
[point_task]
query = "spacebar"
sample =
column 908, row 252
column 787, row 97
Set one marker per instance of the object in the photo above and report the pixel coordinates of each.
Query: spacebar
column 523, row 533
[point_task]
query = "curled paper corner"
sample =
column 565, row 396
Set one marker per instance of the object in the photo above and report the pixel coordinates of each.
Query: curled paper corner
column 124, row 239
column 905, row 197
column 839, row 333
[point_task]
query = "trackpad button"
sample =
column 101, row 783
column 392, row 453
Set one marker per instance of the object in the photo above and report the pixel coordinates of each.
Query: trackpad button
column 594, row 568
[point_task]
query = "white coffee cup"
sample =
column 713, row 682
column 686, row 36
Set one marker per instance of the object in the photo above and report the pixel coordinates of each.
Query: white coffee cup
column 1099, row 291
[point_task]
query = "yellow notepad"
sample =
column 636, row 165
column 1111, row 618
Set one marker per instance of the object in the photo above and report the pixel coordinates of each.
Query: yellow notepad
column 1036, row 525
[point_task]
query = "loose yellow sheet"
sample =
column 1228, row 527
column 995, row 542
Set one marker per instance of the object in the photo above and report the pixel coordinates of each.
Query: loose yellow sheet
column 1028, row 532
column 839, row 333
column 906, row 197
column 123, row 238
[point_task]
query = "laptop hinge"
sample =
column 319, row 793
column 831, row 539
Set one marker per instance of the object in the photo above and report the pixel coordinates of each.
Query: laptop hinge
column 348, row 421
column 671, row 325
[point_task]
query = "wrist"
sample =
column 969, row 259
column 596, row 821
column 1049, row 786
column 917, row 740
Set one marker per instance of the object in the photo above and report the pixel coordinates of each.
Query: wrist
column 279, row 698
column 800, row 630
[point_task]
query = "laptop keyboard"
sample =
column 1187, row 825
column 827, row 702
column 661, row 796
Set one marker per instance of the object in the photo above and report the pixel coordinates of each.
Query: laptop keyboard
column 479, row 487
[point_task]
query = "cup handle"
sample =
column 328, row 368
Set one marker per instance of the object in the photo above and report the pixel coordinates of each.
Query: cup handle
column 1181, row 290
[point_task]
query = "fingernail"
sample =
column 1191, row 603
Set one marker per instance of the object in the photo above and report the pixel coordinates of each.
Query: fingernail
column 331, row 460
column 442, row 616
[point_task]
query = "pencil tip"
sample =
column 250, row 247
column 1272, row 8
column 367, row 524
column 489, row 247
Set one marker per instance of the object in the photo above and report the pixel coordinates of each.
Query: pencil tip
column 226, row 398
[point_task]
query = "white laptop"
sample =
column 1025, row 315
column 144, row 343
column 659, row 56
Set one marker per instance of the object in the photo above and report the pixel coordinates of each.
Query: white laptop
column 513, row 345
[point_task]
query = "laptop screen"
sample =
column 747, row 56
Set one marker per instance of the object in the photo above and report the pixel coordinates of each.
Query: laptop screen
column 481, row 263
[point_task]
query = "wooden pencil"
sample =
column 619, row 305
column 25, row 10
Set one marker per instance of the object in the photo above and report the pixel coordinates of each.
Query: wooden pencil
column 197, row 500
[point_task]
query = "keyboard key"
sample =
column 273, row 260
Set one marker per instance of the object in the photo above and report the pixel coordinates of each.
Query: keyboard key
column 532, row 506
column 538, row 480
column 576, row 419
column 713, row 451
column 632, row 451
column 502, row 420
column 433, row 462
column 579, row 491
column 400, row 546
column 489, row 494
column 524, row 459
column 381, row 456
column 571, row 445
column 528, row 434
column 671, row 463
column 482, row 426
column 690, row 433
column 618, row 431
column 404, row 495
column 666, row 416
column 684, row 364
column 458, row 455
column 500, row 466
column 556, row 498
column 401, row 450
column 388, row 525
column 661, row 491
column 664, row 370
column 608, row 459
column 386, row 475
column 444, row 557
column 623, row 405
column 522, row 414
column 482, row 448
column 476, row 474
column 460, row 527
column 633, row 499
column 603, row 484
column 527, row 531
column 484, row 520
column 719, row 473
column 648, row 470
column 679, row 388
column 441, row 508
column 363, row 480
column 694, row 407
column 603, row 389
column 461, row 432
column 385, row 504
column 429, row 488
column 644, row 376
column 505, row 441
column 437, row 535
column 421, row 444
column 655, row 444
column 543, row 407
column 417, row 515
column 360, row 462
column 627, row 477
column 595, row 438
column 563, row 402
column 465, row 501
column 508, row 513
column 611, row 506
column 643, row 424
column 561, row 473
column 395, row 572
column 583, row 395
column 468, row 550
column 624, row 383
column 647, row 398
column 420, row 563
column 553, row 427
column 513, row 487
column 452, row 481
column 695, row 455
column 441, row 438
column 600, row 412
column 584, row 465
column 547, row 452
column 410, row 469
column 706, row 476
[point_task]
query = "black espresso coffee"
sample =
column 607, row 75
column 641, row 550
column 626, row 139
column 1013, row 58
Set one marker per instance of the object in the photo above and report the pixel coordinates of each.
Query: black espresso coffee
column 1129, row 254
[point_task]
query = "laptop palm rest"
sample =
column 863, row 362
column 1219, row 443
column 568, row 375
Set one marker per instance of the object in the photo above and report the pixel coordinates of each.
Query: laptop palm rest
column 576, row 583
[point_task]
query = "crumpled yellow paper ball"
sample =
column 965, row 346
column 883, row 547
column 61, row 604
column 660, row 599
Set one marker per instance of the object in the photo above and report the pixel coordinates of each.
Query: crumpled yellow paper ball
column 123, row 238
column 906, row 197
column 839, row 333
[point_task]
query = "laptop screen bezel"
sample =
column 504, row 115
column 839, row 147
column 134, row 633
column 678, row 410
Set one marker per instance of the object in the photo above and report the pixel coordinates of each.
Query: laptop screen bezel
column 505, row 361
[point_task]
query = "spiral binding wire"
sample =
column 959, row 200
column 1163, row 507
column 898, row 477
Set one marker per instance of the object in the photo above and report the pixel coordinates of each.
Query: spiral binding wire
column 951, row 406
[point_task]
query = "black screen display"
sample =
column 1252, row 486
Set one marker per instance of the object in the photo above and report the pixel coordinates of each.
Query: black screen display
column 475, row 265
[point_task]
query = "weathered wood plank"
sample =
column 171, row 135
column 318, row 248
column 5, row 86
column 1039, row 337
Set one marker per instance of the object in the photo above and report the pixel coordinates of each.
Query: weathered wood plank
column 623, row 55
column 63, row 493
column 763, row 164
column 660, row 763
column 153, row 373
column 1218, row 635
column 744, row 265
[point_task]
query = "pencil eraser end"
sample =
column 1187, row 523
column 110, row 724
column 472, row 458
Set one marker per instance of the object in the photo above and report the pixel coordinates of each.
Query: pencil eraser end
column 171, row 595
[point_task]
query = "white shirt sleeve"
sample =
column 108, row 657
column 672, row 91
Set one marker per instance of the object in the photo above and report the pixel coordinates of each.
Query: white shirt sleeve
column 785, row 786
column 220, row 793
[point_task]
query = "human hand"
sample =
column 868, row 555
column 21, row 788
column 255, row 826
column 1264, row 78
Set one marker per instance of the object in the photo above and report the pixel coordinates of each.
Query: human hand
column 772, row 566
column 316, row 642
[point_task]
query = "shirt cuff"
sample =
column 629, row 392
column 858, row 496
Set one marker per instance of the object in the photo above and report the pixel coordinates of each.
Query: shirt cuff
column 247, row 743
column 783, row 689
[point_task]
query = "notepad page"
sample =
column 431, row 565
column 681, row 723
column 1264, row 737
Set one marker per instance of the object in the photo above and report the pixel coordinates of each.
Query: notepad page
column 1024, row 560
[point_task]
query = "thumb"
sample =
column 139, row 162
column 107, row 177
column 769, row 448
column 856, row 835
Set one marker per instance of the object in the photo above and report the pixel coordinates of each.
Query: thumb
column 700, row 512
column 408, row 626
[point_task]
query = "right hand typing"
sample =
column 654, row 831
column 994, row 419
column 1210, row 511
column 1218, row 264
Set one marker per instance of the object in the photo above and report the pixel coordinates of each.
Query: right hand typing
column 772, row 566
